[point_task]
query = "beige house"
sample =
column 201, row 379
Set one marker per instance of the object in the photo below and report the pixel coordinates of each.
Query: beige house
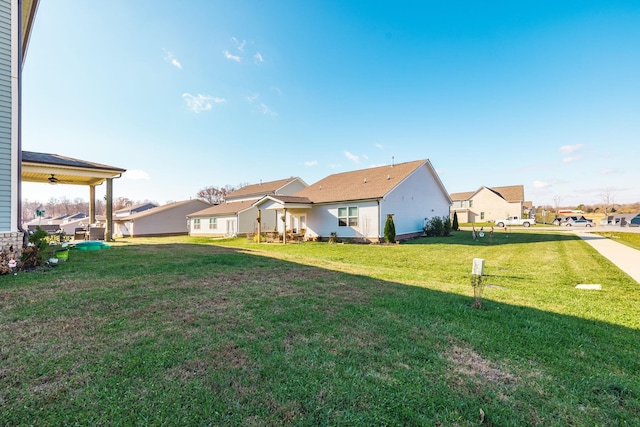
column 165, row 220
column 237, row 215
column 490, row 204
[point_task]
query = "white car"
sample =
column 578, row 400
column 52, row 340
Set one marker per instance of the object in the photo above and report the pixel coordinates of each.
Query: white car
column 579, row 223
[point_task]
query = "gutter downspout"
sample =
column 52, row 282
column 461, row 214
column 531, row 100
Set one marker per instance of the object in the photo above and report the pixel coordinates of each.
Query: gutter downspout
column 25, row 235
column 379, row 219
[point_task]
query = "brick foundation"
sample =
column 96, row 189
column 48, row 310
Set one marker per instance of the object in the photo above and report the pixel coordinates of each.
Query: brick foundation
column 11, row 243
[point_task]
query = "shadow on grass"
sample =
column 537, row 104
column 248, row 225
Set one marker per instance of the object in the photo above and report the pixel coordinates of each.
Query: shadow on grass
column 196, row 334
column 499, row 237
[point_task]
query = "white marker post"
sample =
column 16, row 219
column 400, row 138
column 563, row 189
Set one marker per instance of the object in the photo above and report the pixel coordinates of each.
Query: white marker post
column 477, row 271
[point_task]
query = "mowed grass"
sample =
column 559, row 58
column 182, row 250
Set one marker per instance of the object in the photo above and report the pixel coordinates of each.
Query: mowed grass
column 629, row 239
column 193, row 331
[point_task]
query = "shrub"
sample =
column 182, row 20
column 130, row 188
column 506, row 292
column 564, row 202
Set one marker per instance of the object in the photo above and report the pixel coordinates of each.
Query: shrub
column 456, row 225
column 34, row 254
column 389, row 230
column 438, row 227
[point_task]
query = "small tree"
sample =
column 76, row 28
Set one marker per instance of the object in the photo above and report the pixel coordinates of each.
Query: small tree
column 389, row 230
column 456, row 225
column 447, row 227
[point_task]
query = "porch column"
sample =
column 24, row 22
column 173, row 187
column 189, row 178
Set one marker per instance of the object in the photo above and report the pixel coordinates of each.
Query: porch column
column 284, row 226
column 259, row 224
column 92, row 204
column 109, row 229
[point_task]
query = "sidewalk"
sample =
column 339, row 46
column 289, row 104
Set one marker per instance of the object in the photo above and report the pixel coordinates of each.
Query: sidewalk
column 626, row 258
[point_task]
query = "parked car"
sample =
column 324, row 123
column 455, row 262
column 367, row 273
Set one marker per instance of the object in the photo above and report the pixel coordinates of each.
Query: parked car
column 579, row 223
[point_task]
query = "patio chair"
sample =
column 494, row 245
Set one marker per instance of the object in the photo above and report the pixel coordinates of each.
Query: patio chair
column 80, row 233
column 96, row 233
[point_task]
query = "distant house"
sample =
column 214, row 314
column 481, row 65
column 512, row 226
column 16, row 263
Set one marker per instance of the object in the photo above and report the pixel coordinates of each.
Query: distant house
column 130, row 210
column 355, row 205
column 238, row 215
column 165, row 220
column 490, row 204
column 623, row 220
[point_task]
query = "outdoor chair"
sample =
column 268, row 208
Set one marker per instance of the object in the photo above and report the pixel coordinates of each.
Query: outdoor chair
column 96, row 233
column 80, row 233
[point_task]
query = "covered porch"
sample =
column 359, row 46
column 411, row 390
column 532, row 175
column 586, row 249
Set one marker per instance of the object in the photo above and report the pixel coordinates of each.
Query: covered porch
column 53, row 169
column 292, row 214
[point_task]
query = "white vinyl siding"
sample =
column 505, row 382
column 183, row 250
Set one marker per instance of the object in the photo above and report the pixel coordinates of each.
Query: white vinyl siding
column 6, row 185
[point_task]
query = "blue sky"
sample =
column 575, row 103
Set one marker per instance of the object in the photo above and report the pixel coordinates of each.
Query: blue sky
column 189, row 94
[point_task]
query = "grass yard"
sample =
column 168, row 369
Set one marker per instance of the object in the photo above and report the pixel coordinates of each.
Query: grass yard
column 192, row 331
column 629, row 239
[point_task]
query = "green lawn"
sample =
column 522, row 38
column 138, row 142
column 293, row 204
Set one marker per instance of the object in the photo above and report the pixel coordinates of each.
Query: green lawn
column 629, row 239
column 192, row 331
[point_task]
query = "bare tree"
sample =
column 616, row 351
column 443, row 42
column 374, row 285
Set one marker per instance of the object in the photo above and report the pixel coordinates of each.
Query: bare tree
column 214, row 195
column 121, row 202
column 607, row 201
column 556, row 203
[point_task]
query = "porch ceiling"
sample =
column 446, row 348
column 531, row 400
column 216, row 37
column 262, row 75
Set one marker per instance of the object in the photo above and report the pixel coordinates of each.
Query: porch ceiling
column 53, row 168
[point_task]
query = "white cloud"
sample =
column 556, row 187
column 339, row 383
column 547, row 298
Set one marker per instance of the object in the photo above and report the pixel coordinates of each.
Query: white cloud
column 571, row 159
column 610, row 171
column 251, row 98
column 568, row 149
column 201, row 102
column 379, row 146
column 136, row 175
column 168, row 56
column 264, row 109
column 311, row 163
column 353, row 157
column 230, row 56
column 541, row 184
column 239, row 44
column 258, row 57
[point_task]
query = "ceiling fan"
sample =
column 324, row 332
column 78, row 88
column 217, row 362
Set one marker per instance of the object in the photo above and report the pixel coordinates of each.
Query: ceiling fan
column 53, row 180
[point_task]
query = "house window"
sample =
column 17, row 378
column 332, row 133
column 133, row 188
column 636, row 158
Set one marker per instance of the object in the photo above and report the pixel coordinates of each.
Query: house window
column 482, row 215
column 196, row 224
column 462, row 203
column 470, row 203
column 348, row 217
column 213, row 223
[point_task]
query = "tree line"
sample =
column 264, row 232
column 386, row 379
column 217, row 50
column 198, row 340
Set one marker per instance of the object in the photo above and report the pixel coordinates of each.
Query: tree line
column 57, row 207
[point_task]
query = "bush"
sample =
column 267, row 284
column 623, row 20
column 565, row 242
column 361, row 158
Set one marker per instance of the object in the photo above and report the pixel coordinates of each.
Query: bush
column 456, row 225
column 438, row 227
column 389, row 230
column 35, row 254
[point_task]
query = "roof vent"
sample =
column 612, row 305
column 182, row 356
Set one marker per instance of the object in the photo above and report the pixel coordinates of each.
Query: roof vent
column 321, row 187
column 365, row 180
column 388, row 177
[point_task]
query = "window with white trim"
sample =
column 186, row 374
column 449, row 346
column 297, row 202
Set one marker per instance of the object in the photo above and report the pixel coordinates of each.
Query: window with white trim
column 196, row 223
column 348, row 216
column 213, row 223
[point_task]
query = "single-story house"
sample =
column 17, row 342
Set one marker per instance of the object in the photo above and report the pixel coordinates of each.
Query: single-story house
column 165, row 220
column 490, row 204
column 355, row 205
column 237, row 215
column 623, row 220
column 130, row 210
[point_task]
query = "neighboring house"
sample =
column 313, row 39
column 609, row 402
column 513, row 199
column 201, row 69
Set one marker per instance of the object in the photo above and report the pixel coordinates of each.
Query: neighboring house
column 130, row 210
column 15, row 28
column 490, row 204
column 237, row 215
column 165, row 220
column 355, row 205
column 623, row 220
